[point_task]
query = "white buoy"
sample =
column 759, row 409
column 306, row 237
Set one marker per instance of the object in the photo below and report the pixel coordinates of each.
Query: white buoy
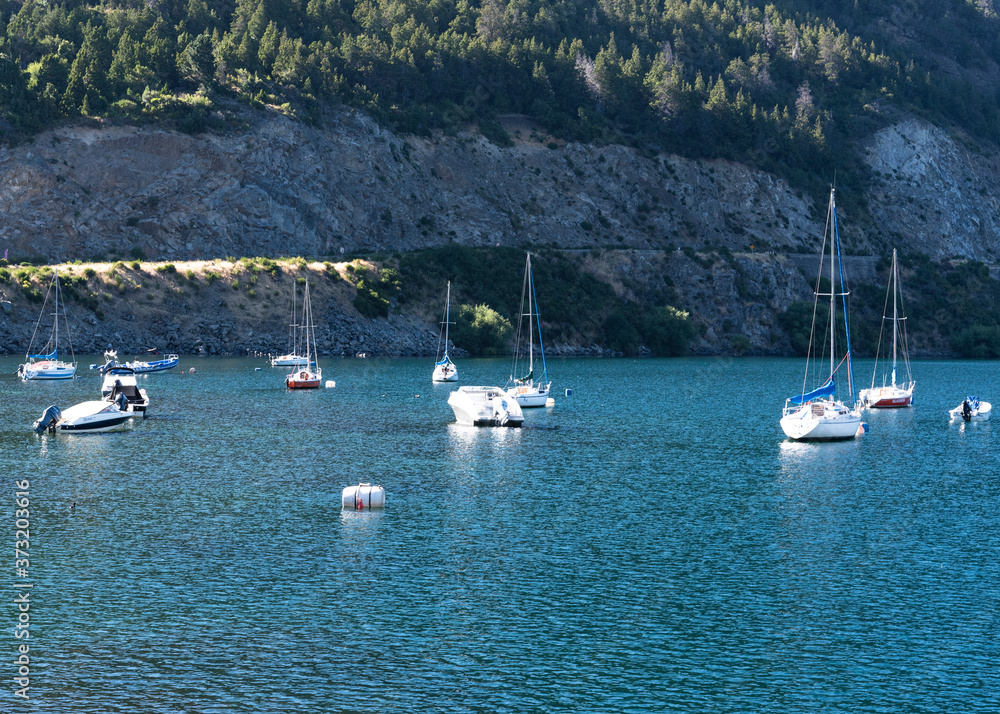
column 330, row 384
column 550, row 402
column 192, row 370
column 362, row 496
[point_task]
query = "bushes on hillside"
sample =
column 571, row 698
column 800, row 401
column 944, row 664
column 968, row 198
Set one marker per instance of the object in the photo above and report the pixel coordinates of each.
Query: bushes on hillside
column 481, row 330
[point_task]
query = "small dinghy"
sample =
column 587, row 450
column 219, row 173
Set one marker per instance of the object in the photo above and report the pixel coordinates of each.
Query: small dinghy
column 971, row 409
column 93, row 416
column 363, row 496
column 485, row 406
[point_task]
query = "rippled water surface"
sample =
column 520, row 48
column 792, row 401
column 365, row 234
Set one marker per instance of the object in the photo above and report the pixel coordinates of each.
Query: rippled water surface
column 652, row 543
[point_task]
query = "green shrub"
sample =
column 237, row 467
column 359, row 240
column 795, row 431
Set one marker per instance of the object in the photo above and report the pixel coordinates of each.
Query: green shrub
column 368, row 302
column 619, row 334
column 135, row 265
column 739, row 345
column 796, row 321
column 977, row 342
column 211, row 276
column 167, row 269
column 270, row 266
column 666, row 331
column 89, row 273
column 482, row 330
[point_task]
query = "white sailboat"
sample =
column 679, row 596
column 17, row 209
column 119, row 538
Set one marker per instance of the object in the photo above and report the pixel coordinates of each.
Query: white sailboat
column 526, row 390
column 47, row 365
column 309, row 375
column 890, row 396
column 818, row 415
column 444, row 369
column 292, row 358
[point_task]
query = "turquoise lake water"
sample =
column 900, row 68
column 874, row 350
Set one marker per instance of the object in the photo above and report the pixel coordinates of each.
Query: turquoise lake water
column 652, row 543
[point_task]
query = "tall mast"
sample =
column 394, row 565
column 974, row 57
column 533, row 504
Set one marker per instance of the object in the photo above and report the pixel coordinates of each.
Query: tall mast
column 531, row 341
column 895, row 324
column 307, row 318
column 447, row 318
column 291, row 327
column 55, row 322
column 833, row 303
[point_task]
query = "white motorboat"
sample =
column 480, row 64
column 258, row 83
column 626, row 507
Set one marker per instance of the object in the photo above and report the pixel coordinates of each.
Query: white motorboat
column 290, row 360
column 818, row 415
column 971, row 409
column 891, row 396
column 48, row 366
column 485, row 406
column 85, row 417
column 526, row 390
column 444, row 369
column 120, row 382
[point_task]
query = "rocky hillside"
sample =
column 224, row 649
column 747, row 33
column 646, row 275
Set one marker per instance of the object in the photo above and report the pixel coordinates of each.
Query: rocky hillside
column 281, row 188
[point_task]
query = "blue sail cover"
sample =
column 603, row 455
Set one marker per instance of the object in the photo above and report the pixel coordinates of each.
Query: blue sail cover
column 54, row 355
column 446, row 360
column 826, row 390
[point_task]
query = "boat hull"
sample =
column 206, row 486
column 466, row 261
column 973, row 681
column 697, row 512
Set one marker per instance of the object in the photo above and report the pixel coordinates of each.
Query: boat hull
column 158, row 366
column 826, row 424
column 93, row 416
column 290, row 361
column 304, row 379
column 485, row 406
column 40, row 371
column 445, row 373
column 887, row 397
column 530, row 396
column 980, row 414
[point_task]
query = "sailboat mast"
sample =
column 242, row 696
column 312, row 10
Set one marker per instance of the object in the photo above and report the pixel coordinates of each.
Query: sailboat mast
column 833, row 304
column 531, row 337
column 895, row 323
column 55, row 322
column 447, row 317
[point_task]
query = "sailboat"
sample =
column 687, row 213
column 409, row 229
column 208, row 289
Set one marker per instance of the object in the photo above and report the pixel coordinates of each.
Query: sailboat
column 527, row 391
column 818, row 415
column 309, row 375
column 445, row 370
column 292, row 358
column 892, row 395
column 47, row 365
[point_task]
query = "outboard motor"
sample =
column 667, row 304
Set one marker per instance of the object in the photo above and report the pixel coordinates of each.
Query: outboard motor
column 122, row 401
column 48, row 419
column 966, row 410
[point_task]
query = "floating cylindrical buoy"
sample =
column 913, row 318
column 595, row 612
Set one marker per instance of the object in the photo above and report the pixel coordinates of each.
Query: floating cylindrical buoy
column 192, row 370
column 550, row 402
column 330, row 384
column 569, row 392
column 362, row 496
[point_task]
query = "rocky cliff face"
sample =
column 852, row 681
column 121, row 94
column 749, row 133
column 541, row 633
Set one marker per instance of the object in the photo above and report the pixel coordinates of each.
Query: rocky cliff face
column 279, row 187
